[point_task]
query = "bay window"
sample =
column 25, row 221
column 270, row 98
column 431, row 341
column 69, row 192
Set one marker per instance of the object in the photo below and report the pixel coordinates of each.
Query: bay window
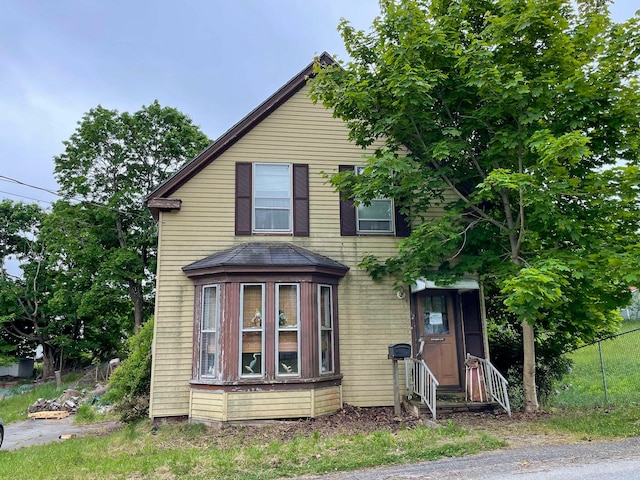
column 251, row 327
column 269, row 324
column 325, row 323
column 288, row 345
column 208, row 331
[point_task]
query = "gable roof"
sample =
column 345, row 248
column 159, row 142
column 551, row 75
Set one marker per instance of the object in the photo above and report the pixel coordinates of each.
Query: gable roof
column 235, row 133
column 255, row 255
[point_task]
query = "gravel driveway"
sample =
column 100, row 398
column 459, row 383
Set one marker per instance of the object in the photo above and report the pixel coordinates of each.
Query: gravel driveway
column 34, row 432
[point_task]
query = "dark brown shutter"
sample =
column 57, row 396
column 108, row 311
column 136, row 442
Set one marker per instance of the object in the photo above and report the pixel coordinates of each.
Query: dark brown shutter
column 243, row 198
column 403, row 227
column 300, row 200
column 347, row 209
column 472, row 323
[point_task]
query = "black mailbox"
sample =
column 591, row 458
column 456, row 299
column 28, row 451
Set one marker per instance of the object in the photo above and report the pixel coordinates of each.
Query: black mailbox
column 400, row 350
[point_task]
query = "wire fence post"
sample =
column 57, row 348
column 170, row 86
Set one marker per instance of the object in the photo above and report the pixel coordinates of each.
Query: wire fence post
column 604, row 378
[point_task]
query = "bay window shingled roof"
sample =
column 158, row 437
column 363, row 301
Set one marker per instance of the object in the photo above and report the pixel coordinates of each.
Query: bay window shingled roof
column 263, row 254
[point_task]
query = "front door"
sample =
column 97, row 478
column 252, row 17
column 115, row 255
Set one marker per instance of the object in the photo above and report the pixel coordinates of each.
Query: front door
column 436, row 328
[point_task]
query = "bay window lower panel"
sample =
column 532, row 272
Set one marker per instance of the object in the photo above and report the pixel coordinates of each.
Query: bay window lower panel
column 213, row 405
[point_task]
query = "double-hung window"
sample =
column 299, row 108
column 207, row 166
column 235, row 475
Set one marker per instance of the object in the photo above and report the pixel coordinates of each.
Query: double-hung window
column 252, row 330
column 377, row 217
column 288, row 328
column 272, row 199
column 208, row 331
column 325, row 325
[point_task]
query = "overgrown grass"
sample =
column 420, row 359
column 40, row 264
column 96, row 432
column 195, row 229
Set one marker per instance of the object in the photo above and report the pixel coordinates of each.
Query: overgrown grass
column 584, row 386
column 14, row 407
column 580, row 406
column 186, row 452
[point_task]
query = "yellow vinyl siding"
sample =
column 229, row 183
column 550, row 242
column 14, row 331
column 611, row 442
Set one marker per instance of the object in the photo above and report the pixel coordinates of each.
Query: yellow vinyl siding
column 207, row 405
column 219, row 406
column 370, row 315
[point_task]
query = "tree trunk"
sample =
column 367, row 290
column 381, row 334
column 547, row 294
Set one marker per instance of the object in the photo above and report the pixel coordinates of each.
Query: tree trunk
column 529, row 368
column 48, row 361
column 135, row 293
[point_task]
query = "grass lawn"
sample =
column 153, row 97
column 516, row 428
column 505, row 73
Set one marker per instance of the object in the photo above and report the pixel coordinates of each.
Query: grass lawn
column 584, row 386
column 191, row 451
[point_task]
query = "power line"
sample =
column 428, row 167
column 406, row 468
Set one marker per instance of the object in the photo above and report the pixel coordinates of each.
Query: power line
column 58, row 194
column 27, row 198
column 19, row 182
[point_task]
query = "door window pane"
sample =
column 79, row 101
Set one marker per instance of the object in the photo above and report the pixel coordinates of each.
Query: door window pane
column 436, row 318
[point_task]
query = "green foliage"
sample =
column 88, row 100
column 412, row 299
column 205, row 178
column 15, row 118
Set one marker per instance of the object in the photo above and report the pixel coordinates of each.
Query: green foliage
column 521, row 118
column 112, row 162
column 505, row 344
column 130, row 383
column 85, row 414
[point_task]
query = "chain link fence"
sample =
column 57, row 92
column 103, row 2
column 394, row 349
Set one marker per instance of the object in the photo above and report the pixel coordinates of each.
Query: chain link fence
column 606, row 372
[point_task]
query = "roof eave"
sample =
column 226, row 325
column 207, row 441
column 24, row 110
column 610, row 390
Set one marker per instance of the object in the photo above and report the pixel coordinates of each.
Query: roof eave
column 236, row 132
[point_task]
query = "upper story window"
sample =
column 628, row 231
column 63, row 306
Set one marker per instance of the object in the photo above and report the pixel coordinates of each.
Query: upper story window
column 380, row 217
column 272, row 197
column 377, row 217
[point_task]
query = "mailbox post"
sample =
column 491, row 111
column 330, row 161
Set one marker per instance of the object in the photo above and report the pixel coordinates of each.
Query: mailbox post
column 399, row 351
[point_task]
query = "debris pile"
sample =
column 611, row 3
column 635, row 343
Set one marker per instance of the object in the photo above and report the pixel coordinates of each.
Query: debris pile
column 69, row 401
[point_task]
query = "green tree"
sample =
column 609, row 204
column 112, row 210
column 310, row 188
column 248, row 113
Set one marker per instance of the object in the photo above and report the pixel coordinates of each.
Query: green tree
column 25, row 315
column 112, row 161
column 522, row 119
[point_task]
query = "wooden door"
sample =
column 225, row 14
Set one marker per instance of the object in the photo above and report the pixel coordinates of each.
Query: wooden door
column 437, row 327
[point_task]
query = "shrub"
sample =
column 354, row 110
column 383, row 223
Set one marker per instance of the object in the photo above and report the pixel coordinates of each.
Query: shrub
column 130, row 383
column 505, row 343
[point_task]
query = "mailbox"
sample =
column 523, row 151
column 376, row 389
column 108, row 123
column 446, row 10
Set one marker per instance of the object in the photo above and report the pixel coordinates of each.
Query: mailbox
column 400, row 351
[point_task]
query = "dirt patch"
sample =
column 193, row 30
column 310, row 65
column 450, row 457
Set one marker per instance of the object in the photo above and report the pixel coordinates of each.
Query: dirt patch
column 519, row 430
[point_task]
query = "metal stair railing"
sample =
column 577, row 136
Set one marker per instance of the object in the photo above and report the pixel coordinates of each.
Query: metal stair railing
column 421, row 382
column 494, row 383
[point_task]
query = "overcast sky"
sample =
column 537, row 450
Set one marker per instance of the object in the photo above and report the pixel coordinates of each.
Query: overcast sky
column 214, row 60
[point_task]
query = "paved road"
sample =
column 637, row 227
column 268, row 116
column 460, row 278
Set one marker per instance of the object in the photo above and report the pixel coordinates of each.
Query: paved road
column 34, row 432
column 617, row 460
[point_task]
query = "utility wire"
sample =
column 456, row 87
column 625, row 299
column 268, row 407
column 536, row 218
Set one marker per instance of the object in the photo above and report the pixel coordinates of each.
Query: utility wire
column 25, row 197
column 58, row 194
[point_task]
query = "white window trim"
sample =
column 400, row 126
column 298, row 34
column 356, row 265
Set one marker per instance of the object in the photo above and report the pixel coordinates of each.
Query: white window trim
column 215, row 324
column 287, row 329
column 358, row 170
column 321, row 329
column 243, row 329
column 254, row 229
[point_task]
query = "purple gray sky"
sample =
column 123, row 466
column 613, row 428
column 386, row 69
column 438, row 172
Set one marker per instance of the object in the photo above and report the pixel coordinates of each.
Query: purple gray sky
column 214, row 60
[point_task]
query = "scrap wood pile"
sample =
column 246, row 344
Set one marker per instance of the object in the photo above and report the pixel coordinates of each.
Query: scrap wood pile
column 68, row 401
column 63, row 406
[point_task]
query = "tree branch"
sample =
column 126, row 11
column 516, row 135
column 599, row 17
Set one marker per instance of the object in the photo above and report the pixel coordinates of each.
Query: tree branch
column 453, row 188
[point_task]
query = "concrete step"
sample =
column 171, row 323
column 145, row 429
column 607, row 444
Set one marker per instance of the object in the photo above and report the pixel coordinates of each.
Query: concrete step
column 449, row 403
